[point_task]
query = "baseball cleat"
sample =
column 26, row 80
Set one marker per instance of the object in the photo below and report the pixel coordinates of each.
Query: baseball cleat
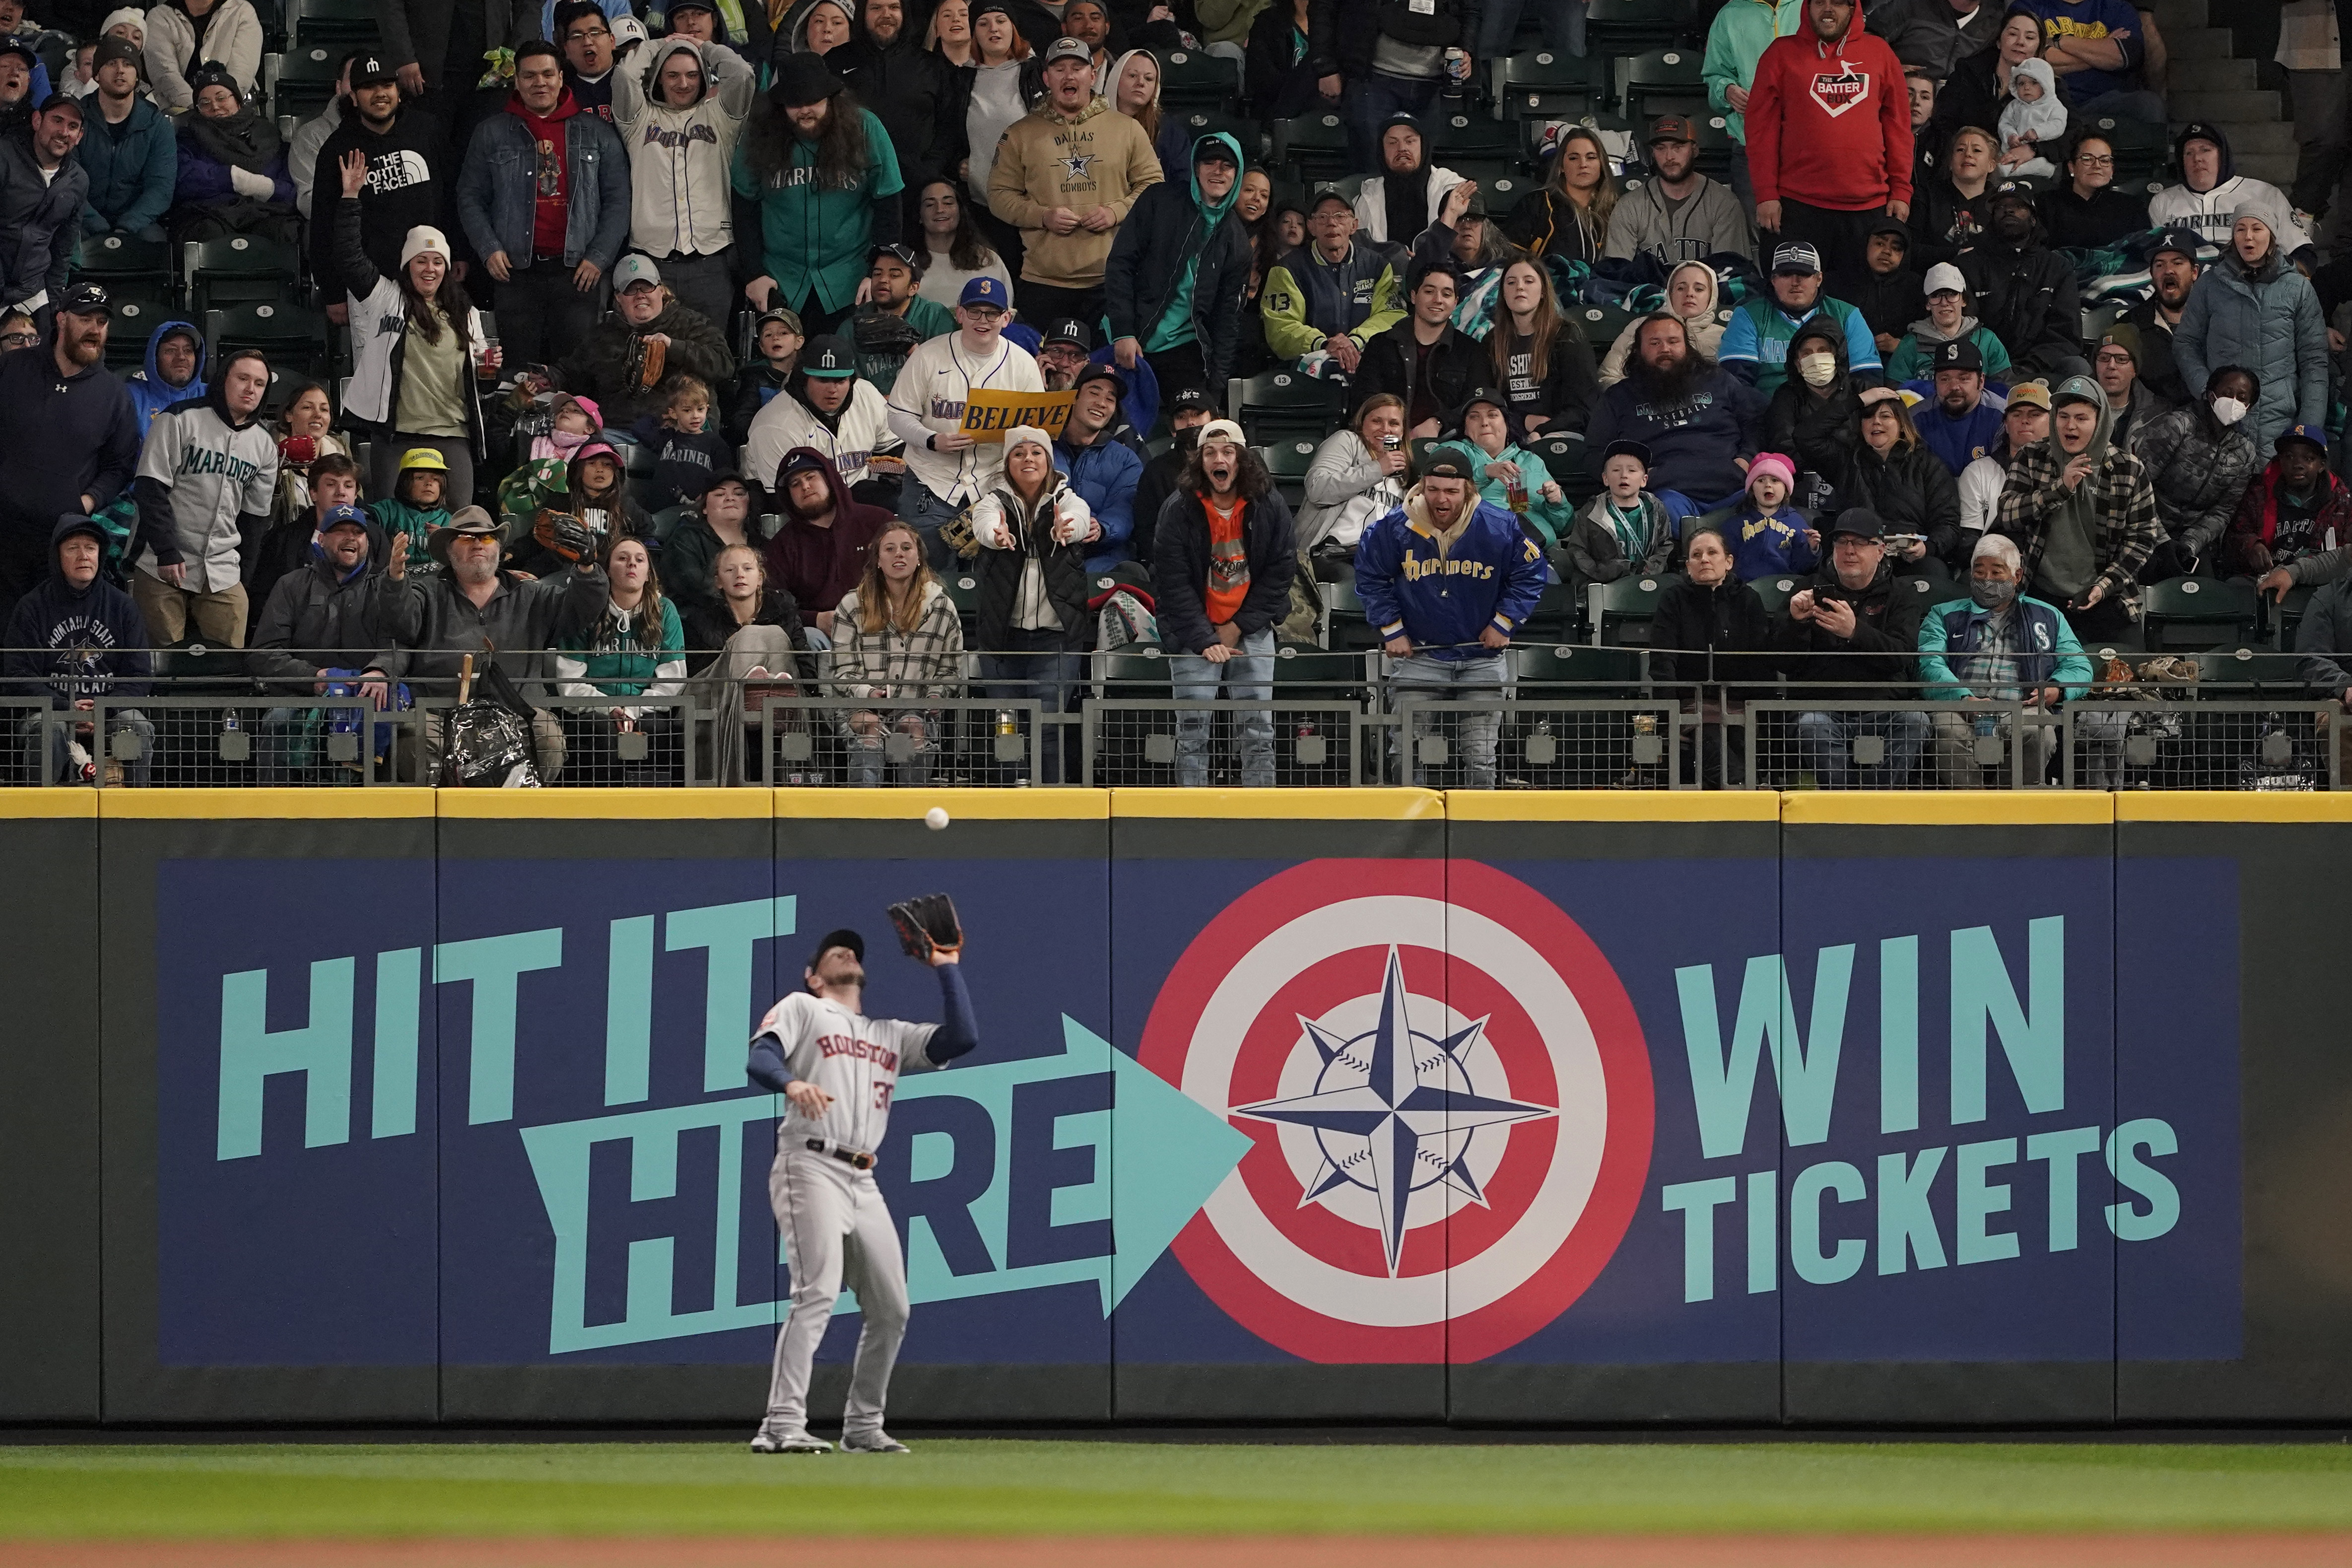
column 768, row 1440
column 875, row 1442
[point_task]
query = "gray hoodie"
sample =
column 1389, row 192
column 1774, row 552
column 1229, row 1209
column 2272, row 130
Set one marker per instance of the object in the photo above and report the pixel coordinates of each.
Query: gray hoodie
column 679, row 158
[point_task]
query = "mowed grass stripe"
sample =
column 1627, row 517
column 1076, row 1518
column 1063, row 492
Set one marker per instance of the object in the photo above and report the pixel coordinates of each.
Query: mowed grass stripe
column 1000, row 1488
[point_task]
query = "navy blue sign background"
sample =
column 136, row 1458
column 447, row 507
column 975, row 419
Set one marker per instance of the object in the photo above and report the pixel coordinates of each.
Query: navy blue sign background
column 499, row 1121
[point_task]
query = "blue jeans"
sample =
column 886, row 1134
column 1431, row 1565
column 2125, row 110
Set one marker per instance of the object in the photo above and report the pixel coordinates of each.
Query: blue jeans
column 1367, row 100
column 1562, row 20
column 930, row 514
column 1826, row 742
column 1427, row 678
column 1042, row 664
column 1247, row 676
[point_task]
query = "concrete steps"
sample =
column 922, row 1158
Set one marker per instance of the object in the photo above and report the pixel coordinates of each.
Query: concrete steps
column 2208, row 79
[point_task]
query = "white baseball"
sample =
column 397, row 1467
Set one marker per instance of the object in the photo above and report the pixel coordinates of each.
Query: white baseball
column 936, row 818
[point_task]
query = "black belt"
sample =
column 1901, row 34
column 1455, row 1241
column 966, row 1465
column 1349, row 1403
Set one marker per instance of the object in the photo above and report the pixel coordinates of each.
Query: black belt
column 855, row 1160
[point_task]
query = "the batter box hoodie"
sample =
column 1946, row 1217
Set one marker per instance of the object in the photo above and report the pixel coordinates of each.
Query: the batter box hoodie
column 1829, row 123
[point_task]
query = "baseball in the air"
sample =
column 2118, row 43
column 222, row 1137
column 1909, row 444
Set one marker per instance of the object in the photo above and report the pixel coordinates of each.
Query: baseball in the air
column 936, row 818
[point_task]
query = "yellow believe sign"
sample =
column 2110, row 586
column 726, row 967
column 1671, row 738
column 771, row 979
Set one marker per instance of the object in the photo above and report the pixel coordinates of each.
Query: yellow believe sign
column 987, row 415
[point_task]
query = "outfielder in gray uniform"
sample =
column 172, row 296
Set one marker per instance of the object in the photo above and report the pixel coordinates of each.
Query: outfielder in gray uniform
column 838, row 1070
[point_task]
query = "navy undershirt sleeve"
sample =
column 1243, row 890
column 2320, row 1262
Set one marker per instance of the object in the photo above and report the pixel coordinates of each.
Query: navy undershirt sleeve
column 958, row 1032
column 767, row 1066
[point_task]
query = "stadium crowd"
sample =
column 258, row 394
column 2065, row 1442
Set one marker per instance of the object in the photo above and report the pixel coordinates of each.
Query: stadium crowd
column 653, row 334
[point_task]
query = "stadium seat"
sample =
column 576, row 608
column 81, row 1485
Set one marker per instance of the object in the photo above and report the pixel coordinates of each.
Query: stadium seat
column 2256, row 673
column 1203, row 120
column 240, row 270
column 1554, row 618
column 2282, row 617
column 1628, row 26
column 1563, row 456
column 963, row 590
column 123, row 261
column 1195, row 78
column 1289, row 460
column 1282, row 405
column 1314, row 147
column 1619, row 613
column 1932, row 575
column 1580, row 666
column 1504, row 191
column 301, row 81
column 1139, row 669
column 1543, row 70
column 2196, row 613
column 1532, row 112
column 1346, row 627
column 2142, row 150
column 1775, row 589
column 1603, row 325
column 1662, row 81
column 1308, row 673
column 336, row 22
column 138, row 311
column 293, row 337
column 1459, row 135
column 2098, row 319
column 1715, row 146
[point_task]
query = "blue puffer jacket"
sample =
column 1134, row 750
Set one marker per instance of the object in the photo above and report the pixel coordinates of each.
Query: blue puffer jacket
column 2050, row 655
column 1442, row 601
column 1105, row 476
column 132, row 166
column 2268, row 321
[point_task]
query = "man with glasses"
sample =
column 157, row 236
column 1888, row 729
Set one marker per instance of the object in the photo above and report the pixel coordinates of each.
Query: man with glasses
column 947, row 470
column 588, row 53
column 2117, row 366
column 18, row 332
column 1330, row 294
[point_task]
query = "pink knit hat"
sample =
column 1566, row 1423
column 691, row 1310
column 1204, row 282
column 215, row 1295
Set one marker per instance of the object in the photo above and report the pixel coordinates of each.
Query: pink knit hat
column 1772, row 463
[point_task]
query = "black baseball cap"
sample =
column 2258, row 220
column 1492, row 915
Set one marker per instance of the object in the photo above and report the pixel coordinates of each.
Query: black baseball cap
column 1445, row 465
column 1860, row 522
column 2182, row 241
column 1893, row 228
column 845, row 937
column 1960, row 353
column 86, row 300
column 1329, row 194
column 1097, row 371
column 827, row 358
column 370, row 70
column 61, row 101
column 22, row 49
column 904, row 254
column 1069, row 329
column 1194, row 398
column 1636, row 450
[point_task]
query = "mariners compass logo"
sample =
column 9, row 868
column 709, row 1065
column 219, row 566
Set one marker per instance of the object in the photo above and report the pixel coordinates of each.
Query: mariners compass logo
column 1449, row 1102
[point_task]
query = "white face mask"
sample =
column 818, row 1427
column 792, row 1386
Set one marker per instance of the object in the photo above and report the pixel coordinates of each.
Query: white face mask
column 2229, row 410
column 1818, row 369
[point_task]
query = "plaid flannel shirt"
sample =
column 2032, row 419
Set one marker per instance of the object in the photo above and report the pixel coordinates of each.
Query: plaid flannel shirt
column 2124, row 501
column 925, row 662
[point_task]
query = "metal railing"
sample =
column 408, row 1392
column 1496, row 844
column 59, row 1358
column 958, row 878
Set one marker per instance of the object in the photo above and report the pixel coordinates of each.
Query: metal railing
column 1095, row 722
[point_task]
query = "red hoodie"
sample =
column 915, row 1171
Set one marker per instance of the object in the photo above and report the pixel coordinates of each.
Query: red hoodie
column 1829, row 124
column 551, row 213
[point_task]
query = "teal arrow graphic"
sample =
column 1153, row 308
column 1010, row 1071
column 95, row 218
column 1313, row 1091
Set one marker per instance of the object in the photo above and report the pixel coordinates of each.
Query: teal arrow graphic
column 1158, row 1155
column 1147, row 1164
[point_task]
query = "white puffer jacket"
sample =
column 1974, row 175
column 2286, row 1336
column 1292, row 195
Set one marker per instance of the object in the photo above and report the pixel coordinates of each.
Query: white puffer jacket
column 232, row 37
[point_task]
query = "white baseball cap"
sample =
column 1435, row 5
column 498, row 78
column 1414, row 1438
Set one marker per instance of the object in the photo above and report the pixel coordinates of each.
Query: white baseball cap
column 1943, row 277
column 1220, row 430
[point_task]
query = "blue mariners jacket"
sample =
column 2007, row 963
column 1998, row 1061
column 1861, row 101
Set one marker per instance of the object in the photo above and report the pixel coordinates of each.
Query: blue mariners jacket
column 1413, row 587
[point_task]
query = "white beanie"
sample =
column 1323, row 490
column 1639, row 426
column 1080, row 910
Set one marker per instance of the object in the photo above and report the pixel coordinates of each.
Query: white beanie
column 130, row 13
column 422, row 238
column 1021, row 433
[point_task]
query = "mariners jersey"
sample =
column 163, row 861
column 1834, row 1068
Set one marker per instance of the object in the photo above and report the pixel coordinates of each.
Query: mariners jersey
column 933, row 386
column 854, row 1059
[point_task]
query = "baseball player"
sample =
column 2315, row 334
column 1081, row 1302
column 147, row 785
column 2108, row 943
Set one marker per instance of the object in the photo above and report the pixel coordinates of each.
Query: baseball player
column 838, row 1068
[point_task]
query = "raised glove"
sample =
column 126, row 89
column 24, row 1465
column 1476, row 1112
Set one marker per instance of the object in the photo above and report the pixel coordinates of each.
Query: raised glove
column 564, row 536
column 927, row 925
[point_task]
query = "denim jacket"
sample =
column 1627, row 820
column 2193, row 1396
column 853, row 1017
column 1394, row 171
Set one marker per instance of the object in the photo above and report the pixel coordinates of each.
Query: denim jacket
column 496, row 191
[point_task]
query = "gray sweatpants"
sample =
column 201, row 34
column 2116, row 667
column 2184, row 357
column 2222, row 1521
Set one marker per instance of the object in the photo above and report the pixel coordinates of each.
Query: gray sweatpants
column 836, row 1231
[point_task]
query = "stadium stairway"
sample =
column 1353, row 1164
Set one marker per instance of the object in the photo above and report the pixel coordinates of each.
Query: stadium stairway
column 2207, row 79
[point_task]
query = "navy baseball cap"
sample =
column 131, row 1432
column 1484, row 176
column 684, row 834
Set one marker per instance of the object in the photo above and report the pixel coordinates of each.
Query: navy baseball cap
column 338, row 516
column 2312, row 434
column 845, row 937
column 986, row 292
column 2183, row 242
column 1636, row 450
column 1097, row 370
column 828, row 359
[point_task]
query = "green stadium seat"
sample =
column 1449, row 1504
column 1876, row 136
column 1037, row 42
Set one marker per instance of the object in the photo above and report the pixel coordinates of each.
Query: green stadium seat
column 1203, row 121
column 1195, row 78
column 1544, row 69
column 1505, row 191
column 239, row 270
column 1619, row 613
column 1630, row 27
column 1575, row 664
column 1139, row 669
column 1313, row 146
column 2142, row 150
column 1662, row 81
column 1288, row 461
column 1775, row 589
column 293, row 337
column 124, row 261
column 2284, row 615
column 1282, row 405
column 963, row 590
column 2197, row 613
column 336, row 22
column 1306, row 672
column 2252, row 674
column 301, row 81
column 138, row 310
column 1459, row 135
column 1716, row 144
column 1343, row 615
column 1533, row 113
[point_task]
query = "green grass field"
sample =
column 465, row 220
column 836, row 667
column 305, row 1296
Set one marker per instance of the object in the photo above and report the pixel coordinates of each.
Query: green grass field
column 970, row 1487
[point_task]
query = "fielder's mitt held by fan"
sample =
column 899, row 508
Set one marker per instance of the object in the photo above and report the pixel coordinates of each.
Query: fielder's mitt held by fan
column 927, row 925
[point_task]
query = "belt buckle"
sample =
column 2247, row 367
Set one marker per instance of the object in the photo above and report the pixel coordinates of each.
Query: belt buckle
column 859, row 1162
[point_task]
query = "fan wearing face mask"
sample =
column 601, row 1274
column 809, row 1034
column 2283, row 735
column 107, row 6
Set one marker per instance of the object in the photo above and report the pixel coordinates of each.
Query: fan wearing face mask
column 1815, row 416
column 2000, row 645
column 2200, row 460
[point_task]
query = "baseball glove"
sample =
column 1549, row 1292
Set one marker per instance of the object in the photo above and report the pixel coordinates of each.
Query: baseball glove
column 927, row 925
column 564, row 535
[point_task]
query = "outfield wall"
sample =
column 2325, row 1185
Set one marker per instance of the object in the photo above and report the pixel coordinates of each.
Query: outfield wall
column 379, row 1106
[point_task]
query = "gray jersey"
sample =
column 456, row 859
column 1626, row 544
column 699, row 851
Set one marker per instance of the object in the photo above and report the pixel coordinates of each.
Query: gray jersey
column 854, row 1059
